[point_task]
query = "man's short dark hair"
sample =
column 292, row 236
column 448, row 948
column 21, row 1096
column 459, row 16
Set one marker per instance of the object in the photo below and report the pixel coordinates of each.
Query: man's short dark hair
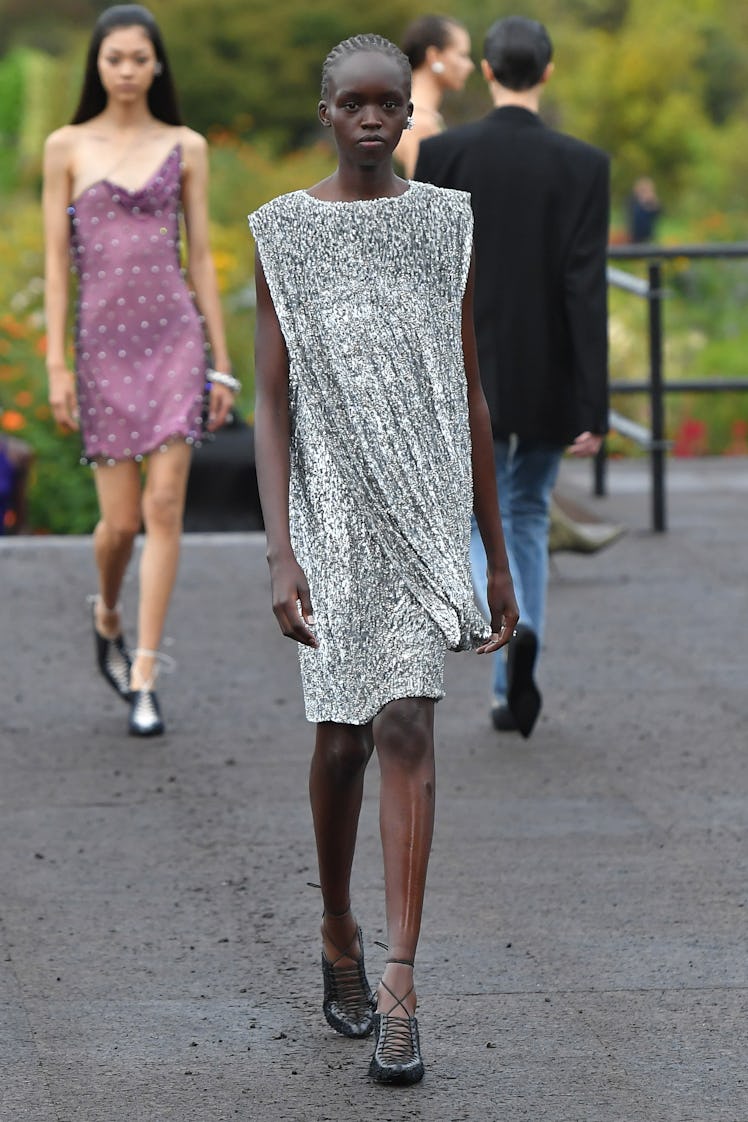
column 518, row 51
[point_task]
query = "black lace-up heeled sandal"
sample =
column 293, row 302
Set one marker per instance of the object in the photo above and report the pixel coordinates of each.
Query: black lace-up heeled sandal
column 348, row 1002
column 145, row 713
column 397, row 1049
column 112, row 656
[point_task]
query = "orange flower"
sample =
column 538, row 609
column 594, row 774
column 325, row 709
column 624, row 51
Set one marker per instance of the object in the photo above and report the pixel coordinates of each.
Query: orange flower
column 13, row 327
column 24, row 398
column 40, row 346
column 12, row 421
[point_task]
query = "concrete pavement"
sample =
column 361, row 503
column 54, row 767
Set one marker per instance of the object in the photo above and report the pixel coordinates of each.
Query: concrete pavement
column 584, row 948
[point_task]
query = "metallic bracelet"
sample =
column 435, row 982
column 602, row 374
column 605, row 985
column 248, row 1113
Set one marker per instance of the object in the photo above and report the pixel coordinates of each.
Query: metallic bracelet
column 227, row 380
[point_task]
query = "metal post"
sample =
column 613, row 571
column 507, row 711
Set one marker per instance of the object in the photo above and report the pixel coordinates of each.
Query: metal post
column 600, row 471
column 657, row 404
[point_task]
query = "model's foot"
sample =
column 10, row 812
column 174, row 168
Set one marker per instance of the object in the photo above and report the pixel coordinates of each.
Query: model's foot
column 112, row 655
column 143, row 671
column 397, row 1051
column 501, row 717
column 348, row 1003
column 523, row 696
column 396, row 995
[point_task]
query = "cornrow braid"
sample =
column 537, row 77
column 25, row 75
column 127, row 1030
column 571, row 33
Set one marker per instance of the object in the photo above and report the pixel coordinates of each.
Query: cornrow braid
column 357, row 44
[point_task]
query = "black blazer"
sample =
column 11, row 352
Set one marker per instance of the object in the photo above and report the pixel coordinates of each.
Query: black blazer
column 541, row 206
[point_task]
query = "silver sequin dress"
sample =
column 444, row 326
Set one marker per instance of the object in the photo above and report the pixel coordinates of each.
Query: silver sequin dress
column 369, row 299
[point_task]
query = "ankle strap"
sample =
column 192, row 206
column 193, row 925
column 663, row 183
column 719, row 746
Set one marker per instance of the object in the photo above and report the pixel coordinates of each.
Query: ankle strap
column 163, row 661
column 336, row 915
column 400, row 962
column 326, row 911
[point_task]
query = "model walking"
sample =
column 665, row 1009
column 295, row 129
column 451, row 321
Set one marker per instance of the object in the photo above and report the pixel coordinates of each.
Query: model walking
column 115, row 183
column 373, row 443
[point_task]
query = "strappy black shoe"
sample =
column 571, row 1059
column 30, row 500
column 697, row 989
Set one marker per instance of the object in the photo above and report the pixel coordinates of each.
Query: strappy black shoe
column 112, row 658
column 348, row 1002
column 145, row 713
column 397, row 1048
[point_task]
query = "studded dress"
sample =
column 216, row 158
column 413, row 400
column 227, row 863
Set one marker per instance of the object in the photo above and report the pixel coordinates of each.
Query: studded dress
column 139, row 343
column 369, row 299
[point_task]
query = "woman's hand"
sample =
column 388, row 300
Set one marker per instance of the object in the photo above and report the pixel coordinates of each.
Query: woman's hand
column 292, row 602
column 220, row 404
column 62, row 398
column 504, row 611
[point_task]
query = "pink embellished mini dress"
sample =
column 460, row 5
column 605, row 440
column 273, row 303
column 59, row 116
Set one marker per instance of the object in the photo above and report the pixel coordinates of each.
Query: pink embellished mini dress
column 139, row 344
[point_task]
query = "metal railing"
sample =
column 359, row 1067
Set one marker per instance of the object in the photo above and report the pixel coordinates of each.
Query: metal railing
column 656, row 386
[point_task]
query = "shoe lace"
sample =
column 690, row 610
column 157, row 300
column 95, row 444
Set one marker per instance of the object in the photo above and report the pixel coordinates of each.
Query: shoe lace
column 396, row 1043
column 163, row 663
column 349, row 982
column 147, row 712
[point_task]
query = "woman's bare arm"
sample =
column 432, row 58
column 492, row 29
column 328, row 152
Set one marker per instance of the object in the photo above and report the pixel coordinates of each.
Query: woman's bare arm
column 56, row 198
column 272, row 451
column 201, row 267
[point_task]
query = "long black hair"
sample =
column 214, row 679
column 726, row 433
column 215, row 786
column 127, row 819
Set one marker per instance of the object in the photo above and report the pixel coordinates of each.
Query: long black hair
column 162, row 96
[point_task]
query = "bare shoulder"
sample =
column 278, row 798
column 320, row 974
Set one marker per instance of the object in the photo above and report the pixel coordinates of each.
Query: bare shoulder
column 194, row 145
column 61, row 143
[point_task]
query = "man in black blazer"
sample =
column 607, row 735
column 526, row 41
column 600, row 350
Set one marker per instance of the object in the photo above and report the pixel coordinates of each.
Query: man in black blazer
column 541, row 207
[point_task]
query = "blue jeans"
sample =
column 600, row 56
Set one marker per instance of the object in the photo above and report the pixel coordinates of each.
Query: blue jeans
column 526, row 472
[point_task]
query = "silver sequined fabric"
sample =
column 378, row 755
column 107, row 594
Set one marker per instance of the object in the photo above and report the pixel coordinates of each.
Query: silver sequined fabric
column 369, row 298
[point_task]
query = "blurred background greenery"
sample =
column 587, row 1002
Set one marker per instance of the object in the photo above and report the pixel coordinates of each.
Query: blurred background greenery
column 661, row 86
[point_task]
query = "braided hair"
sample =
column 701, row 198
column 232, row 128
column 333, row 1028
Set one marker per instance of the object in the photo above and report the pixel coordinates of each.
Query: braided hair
column 359, row 44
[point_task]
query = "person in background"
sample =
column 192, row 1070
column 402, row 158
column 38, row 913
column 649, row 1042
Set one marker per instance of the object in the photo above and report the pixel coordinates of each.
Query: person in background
column 438, row 50
column 541, row 206
column 116, row 181
column 644, row 210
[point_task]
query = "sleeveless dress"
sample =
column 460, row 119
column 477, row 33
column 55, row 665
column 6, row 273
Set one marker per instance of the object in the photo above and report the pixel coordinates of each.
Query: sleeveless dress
column 139, row 343
column 369, row 299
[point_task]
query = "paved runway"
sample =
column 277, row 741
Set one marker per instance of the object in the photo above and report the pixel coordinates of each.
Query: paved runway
column 584, row 949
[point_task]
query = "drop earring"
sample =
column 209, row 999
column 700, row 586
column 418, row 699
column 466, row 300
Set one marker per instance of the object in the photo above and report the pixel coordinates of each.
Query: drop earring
column 158, row 70
column 409, row 124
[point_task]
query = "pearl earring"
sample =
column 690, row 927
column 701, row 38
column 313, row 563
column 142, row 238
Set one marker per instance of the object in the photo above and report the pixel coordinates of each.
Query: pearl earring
column 437, row 67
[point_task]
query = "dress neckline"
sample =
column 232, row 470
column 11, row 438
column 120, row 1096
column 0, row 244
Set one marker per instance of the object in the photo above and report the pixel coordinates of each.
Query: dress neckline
column 128, row 190
column 355, row 202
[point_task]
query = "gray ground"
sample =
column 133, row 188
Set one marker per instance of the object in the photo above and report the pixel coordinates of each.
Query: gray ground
column 584, row 948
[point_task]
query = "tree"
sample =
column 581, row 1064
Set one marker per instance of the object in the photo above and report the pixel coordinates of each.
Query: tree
column 255, row 67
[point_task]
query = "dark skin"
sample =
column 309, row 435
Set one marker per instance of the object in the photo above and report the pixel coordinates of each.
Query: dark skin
column 367, row 107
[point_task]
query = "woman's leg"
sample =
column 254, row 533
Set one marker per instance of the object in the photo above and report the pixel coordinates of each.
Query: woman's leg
column 336, row 786
column 404, row 738
column 118, row 490
column 163, row 510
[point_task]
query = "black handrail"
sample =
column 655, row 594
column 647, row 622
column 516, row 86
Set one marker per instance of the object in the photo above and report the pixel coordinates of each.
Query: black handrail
column 657, row 386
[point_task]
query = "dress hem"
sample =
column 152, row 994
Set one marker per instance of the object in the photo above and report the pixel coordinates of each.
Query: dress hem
column 397, row 695
column 195, row 441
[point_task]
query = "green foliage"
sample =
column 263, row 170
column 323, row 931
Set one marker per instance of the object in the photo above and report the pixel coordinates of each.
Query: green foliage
column 258, row 66
column 660, row 85
column 61, row 496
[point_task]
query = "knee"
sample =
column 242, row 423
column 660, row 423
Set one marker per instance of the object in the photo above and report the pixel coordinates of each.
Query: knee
column 120, row 532
column 343, row 756
column 163, row 510
column 403, row 732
